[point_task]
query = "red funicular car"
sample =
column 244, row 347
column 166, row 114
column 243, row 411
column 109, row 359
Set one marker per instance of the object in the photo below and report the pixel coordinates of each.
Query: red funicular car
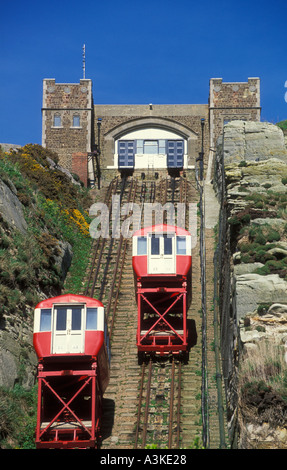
column 72, row 344
column 162, row 264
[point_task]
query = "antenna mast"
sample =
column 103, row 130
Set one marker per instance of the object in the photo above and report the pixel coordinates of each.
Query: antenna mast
column 84, row 61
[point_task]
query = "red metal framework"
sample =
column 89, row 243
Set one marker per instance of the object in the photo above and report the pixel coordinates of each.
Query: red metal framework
column 69, row 408
column 162, row 326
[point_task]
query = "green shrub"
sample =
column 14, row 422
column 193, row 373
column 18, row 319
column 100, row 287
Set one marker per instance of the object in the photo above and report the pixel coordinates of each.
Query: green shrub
column 260, row 239
column 18, row 412
column 273, row 235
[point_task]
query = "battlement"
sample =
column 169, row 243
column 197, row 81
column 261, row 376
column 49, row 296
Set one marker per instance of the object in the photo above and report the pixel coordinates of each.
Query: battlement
column 232, row 100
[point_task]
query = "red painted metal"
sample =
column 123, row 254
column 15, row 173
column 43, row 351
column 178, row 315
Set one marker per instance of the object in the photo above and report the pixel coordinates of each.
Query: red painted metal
column 63, row 418
column 163, row 300
column 167, row 333
column 69, row 298
column 70, row 386
column 94, row 341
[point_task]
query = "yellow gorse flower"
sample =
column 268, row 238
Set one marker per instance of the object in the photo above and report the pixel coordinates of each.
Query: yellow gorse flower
column 77, row 218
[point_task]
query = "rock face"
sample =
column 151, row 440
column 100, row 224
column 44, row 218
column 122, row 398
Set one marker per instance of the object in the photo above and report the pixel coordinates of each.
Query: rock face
column 10, row 206
column 252, row 290
column 253, row 141
column 250, row 181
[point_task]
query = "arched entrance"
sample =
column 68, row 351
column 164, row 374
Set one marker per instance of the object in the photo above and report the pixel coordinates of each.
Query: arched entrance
column 151, row 143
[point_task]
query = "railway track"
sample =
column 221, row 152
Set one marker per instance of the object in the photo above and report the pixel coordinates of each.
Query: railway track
column 172, row 419
column 159, row 405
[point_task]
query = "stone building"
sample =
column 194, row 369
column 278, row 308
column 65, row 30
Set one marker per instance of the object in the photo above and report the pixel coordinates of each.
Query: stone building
column 94, row 140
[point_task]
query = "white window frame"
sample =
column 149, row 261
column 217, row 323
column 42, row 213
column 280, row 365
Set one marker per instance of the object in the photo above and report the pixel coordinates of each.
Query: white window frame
column 57, row 116
column 74, row 126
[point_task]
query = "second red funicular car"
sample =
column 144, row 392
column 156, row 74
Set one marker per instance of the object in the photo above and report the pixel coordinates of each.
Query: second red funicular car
column 162, row 265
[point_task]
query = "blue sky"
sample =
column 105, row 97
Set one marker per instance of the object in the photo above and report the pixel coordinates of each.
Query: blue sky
column 137, row 52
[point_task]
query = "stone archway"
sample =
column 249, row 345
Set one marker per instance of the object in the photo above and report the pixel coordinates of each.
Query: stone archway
column 122, row 129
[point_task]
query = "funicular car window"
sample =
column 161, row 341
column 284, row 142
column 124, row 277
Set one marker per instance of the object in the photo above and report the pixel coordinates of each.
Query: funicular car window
column 155, row 244
column 76, row 318
column 181, row 245
column 45, row 319
column 61, row 319
column 167, row 244
column 92, row 318
column 142, row 246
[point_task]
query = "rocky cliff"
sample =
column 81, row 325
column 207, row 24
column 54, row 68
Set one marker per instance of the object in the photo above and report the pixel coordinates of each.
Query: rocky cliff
column 251, row 180
column 43, row 225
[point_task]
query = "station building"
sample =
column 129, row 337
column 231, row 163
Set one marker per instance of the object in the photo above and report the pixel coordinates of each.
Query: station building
column 99, row 141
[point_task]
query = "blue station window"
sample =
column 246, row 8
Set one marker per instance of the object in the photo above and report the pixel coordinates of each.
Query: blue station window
column 92, row 318
column 162, row 146
column 142, row 250
column 151, row 146
column 45, row 319
column 140, row 146
column 181, row 245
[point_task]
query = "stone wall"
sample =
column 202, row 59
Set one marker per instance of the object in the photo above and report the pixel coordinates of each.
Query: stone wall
column 227, row 101
column 67, row 100
column 118, row 119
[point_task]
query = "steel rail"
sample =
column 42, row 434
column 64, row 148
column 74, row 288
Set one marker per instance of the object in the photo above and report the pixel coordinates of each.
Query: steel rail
column 145, row 422
column 174, row 415
column 111, row 190
column 139, row 406
column 121, row 251
column 178, row 407
column 171, row 405
column 108, row 258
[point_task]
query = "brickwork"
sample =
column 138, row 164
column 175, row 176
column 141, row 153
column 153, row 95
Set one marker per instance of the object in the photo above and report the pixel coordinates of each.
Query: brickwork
column 80, row 166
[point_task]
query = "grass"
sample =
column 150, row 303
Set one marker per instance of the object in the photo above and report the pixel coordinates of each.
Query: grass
column 263, row 369
column 18, row 416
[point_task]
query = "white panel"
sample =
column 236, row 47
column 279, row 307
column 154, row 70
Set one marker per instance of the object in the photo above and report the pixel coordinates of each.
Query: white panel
column 151, row 133
column 150, row 161
column 101, row 319
column 37, row 320
column 188, row 245
column 135, row 241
